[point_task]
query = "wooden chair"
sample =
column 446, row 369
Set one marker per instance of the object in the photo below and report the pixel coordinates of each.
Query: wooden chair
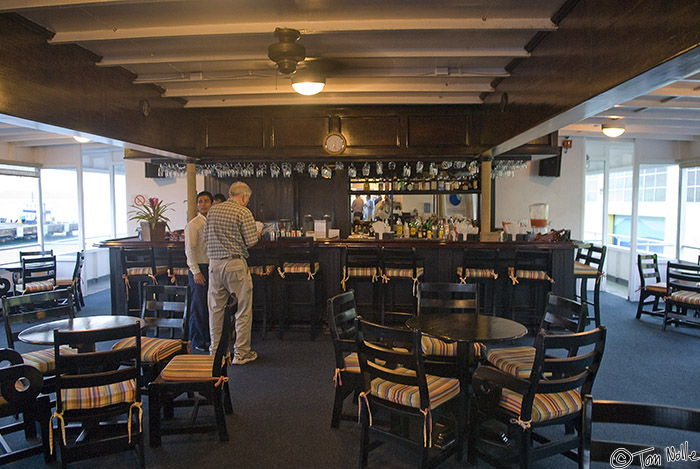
column 551, row 395
column 362, row 273
column 27, row 401
column 682, row 294
column 531, row 276
column 561, row 315
column 635, row 416
column 38, row 274
column 190, row 374
column 74, row 284
column 650, row 285
column 166, row 313
column 348, row 380
column 431, row 409
column 262, row 264
column 589, row 265
column 138, row 267
column 177, row 266
column 479, row 266
column 299, row 271
column 33, row 308
column 401, row 267
column 96, row 390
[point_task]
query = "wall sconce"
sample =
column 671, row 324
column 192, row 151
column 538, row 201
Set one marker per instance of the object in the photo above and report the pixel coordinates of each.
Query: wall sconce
column 613, row 130
column 81, row 139
column 307, row 83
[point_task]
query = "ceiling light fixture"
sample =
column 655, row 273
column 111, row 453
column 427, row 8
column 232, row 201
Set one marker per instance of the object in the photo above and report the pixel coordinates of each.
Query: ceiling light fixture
column 613, row 130
column 81, row 139
column 307, row 83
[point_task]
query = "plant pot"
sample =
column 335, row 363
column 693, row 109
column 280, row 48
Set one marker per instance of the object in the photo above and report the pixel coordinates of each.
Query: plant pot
column 156, row 233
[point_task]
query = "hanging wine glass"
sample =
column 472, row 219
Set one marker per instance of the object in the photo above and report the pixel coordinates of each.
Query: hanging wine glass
column 365, row 169
column 313, row 170
column 380, row 169
column 352, row 171
column 419, row 166
column 339, row 165
column 407, row 170
column 274, row 170
column 326, row 172
column 299, row 167
column 287, row 170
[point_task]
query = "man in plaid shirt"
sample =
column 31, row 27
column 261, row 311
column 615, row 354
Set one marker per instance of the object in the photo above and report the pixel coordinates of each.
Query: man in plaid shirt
column 229, row 232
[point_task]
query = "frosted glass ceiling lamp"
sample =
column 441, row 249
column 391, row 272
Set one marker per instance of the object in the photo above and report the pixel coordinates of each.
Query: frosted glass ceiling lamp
column 308, row 84
column 613, row 130
column 81, row 139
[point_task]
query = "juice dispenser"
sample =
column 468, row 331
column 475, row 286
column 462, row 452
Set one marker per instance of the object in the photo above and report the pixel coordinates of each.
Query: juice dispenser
column 539, row 218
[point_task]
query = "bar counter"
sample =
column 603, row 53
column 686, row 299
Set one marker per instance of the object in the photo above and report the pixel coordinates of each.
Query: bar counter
column 440, row 259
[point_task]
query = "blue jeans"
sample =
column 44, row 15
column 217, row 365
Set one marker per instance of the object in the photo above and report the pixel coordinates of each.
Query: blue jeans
column 199, row 309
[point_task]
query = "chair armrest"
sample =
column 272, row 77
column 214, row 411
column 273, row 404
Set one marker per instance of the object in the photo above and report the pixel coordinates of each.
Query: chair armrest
column 28, row 379
column 11, row 355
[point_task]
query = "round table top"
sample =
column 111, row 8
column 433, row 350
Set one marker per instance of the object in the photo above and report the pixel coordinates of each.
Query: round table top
column 42, row 334
column 463, row 327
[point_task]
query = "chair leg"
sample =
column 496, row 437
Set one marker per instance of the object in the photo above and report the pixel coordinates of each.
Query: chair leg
column 219, row 413
column 364, row 437
column 640, row 306
column 228, row 406
column 596, row 301
column 337, row 406
column 154, row 404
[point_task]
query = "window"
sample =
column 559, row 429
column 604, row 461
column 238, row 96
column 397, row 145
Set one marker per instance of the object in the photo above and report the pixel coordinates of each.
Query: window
column 621, row 186
column 59, row 194
column 692, row 179
column 19, row 193
column 652, row 184
column 690, row 215
column 97, row 206
column 657, row 210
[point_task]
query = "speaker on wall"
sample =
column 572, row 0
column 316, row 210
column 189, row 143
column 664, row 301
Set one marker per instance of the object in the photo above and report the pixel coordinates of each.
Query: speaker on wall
column 551, row 167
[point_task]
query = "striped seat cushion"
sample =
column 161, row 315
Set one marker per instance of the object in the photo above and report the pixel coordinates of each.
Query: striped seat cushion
column 584, row 270
column 261, row 270
column 440, row 391
column 405, row 273
column 153, row 349
column 43, row 360
column 180, row 271
column 659, row 287
column 99, row 396
column 361, row 271
column 533, row 275
column 160, row 270
column 352, row 363
column 476, row 273
column 438, row 347
column 687, row 297
column 42, row 285
column 545, row 406
column 516, row 361
column 189, row 368
column 299, row 267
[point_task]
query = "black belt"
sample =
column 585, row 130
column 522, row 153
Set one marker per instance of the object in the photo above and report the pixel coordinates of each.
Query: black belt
column 235, row 256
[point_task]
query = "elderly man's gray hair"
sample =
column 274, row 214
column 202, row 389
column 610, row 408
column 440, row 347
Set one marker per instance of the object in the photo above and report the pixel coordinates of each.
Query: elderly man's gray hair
column 239, row 188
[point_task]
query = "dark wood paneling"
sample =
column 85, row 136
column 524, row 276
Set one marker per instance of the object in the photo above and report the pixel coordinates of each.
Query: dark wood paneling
column 438, row 131
column 319, row 197
column 381, row 131
column 234, row 132
column 299, row 131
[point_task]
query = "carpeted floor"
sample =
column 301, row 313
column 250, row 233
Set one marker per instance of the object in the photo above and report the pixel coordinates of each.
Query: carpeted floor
column 282, row 402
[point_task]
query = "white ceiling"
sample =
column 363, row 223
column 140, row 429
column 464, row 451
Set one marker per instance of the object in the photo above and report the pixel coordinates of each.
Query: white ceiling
column 213, row 53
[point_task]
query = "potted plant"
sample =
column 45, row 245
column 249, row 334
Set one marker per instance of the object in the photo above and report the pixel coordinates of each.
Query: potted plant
column 152, row 219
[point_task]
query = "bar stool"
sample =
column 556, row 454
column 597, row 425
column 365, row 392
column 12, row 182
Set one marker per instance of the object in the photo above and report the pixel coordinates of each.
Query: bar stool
column 298, row 268
column 177, row 266
column 589, row 265
column 262, row 263
column 401, row 268
column 138, row 267
column 479, row 266
column 362, row 271
column 533, row 269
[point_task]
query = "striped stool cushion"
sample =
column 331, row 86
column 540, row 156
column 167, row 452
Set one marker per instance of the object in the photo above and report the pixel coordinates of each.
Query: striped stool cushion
column 516, row 361
column 180, row 271
column 33, row 287
column 440, row 391
column 476, row 273
column 408, row 273
column 584, row 270
column 299, row 267
column 153, row 349
column 189, row 368
column 43, row 360
column 659, row 287
column 687, row 297
column 261, row 270
column 99, row 396
column 361, row 271
column 545, row 406
column 533, row 275
column 352, row 363
column 434, row 346
column 160, row 270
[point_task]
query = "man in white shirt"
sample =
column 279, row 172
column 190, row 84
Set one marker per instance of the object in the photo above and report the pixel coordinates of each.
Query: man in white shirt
column 198, row 275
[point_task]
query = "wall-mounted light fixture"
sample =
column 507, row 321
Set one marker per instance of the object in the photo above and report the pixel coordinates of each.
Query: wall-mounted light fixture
column 613, row 129
column 81, row 139
column 308, row 83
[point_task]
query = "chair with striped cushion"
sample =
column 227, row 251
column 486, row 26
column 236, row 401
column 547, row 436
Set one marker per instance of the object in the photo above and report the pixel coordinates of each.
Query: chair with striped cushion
column 650, row 285
column 682, row 294
column 402, row 271
column 301, row 283
column 402, row 404
column 139, row 267
column 479, row 266
column 361, row 272
column 561, row 315
column 75, row 282
column 98, row 391
column 165, row 311
column 38, row 274
column 531, row 280
column 17, row 275
column 341, row 322
column 589, row 265
column 34, row 308
column 202, row 378
column 520, row 407
column 177, row 266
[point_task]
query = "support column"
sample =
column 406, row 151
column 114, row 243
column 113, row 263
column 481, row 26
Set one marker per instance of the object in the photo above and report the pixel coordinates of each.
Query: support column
column 485, row 222
column 191, row 191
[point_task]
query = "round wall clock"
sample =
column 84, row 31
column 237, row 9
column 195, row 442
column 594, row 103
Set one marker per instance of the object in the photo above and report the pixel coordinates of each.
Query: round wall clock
column 334, row 143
